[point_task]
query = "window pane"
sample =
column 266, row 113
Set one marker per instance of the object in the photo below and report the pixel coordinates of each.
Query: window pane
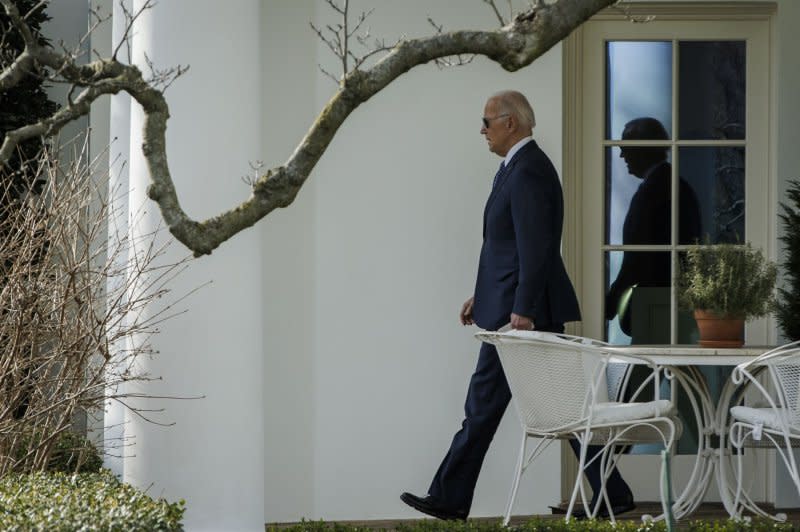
column 717, row 176
column 711, row 90
column 639, row 77
column 638, row 297
column 638, row 188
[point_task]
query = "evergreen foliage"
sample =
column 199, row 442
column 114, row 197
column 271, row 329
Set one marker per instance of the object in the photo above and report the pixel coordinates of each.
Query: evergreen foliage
column 69, row 452
column 25, row 103
column 788, row 305
column 58, row 502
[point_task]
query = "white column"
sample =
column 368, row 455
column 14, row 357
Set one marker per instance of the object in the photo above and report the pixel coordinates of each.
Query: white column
column 213, row 455
column 119, row 155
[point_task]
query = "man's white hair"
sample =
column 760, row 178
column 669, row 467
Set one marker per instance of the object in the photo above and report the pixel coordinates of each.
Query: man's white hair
column 516, row 104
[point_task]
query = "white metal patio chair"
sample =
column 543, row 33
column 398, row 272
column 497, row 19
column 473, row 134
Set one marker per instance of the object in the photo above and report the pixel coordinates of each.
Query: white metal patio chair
column 774, row 419
column 559, row 389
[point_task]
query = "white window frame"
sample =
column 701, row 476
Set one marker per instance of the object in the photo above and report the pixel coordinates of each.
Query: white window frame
column 582, row 234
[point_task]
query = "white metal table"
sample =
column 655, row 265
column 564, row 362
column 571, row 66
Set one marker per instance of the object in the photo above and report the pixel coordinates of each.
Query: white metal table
column 682, row 362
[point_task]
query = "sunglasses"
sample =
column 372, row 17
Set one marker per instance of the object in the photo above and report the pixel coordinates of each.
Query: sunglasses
column 486, row 120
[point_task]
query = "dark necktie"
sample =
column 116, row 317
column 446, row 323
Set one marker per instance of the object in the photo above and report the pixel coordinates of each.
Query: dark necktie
column 498, row 174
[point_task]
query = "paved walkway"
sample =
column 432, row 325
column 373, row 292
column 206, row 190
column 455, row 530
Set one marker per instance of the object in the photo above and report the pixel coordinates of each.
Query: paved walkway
column 706, row 511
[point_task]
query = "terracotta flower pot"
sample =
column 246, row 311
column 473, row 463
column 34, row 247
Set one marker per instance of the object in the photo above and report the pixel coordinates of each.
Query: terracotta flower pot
column 716, row 331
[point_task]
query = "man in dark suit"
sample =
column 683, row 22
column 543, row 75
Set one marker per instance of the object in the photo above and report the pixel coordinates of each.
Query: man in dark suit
column 521, row 281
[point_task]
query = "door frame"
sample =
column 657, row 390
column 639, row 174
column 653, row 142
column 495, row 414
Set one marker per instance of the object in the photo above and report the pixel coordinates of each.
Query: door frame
column 574, row 236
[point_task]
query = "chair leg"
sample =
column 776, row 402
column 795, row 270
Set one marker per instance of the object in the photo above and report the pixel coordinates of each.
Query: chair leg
column 517, row 477
column 737, row 509
column 792, row 465
column 584, row 443
column 605, row 472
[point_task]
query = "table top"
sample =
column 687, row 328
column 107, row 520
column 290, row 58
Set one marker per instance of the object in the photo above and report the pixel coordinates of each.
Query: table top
column 694, row 355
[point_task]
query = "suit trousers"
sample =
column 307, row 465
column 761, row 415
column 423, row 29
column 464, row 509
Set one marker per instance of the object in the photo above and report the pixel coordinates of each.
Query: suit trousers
column 488, row 396
column 616, row 487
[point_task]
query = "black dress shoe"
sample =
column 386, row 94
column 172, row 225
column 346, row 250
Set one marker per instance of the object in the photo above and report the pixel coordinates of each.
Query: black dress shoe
column 429, row 505
column 618, row 506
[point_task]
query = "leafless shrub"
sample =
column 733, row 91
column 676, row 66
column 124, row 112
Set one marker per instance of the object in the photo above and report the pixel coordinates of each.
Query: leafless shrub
column 71, row 301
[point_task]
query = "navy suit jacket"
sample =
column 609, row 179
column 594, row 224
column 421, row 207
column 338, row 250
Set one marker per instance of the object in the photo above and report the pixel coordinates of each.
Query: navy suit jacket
column 520, row 268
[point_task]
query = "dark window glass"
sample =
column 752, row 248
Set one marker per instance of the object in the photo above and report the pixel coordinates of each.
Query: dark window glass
column 639, row 83
column 716, row 177
column 711, row 90
column 638, row 191
column 638, row 297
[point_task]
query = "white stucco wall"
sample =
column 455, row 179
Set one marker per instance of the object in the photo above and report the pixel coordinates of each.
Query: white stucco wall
column 787, row 159
column 213, row 456
column 289, row 252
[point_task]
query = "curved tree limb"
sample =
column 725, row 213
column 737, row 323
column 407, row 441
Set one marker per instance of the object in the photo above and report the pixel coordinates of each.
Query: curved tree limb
column 513, row 46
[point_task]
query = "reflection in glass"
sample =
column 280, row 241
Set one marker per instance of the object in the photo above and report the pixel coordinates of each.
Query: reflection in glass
column 637, row 303
column 711, row 89
column 639, row 77
column 716, row 174
column 637, row 206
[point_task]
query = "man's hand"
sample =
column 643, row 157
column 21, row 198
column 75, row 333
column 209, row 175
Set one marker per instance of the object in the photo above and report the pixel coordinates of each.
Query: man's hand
column 521, row 322
column 466, row 312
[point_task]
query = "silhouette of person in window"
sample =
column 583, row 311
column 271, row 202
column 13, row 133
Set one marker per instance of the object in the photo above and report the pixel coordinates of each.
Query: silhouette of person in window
column 644, row 277
column 648, row 222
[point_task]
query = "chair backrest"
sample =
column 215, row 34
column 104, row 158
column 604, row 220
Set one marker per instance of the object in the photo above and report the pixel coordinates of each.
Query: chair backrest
column 783, row 365
column 552, row 378
column 786, row 373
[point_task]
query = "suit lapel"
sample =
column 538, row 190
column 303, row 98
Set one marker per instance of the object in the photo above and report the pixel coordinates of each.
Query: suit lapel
column 502, row 178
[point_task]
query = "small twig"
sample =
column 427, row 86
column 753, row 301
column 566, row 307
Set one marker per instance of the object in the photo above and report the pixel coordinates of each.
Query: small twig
column 256, row 167
column 496, row 11
column 626, row 12
column 438, row 27
column 131, row 19
column 335, row 7
column 334, row 78
column 448, row 62
column 344, row 40
column 330, row 43
column 361, row 19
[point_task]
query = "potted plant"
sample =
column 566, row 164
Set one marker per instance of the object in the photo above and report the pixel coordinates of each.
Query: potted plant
column 725, row 285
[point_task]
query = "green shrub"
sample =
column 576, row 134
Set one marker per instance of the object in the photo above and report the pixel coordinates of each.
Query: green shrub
column 87, row 502
column 70, row 453
column 74, row 453
column 788, row 307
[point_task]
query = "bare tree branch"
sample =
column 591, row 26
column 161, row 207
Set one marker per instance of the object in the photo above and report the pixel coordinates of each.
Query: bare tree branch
column 529, row 35
column 448, row 62
column 13, row 74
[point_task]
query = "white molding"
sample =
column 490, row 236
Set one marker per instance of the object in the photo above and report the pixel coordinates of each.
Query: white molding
column 573, row 116
column 689, row 11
